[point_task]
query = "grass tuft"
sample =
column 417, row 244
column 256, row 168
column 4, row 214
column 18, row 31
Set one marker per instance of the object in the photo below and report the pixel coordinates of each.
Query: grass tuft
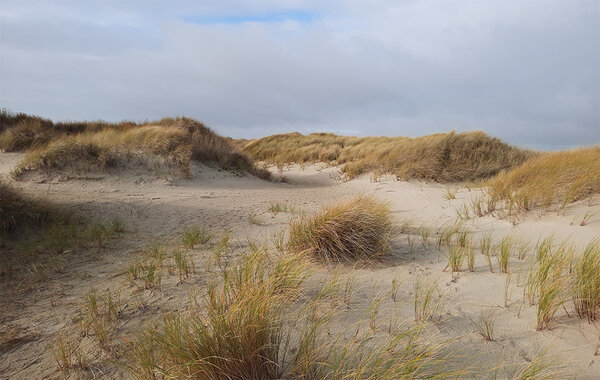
column 239, row 333
column 485, row 325
column 427, row 300
column 357, row 229
column 586, row 282
column 195, row 235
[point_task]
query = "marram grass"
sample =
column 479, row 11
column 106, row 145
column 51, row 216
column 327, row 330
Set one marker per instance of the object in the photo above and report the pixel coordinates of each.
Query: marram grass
column 442, row 157
column 358, row 229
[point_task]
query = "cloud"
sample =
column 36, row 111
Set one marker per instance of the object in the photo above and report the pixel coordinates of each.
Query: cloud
column 528, row 72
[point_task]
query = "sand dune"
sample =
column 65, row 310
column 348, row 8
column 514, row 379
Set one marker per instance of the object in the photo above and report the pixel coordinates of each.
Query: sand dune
column 157, row 210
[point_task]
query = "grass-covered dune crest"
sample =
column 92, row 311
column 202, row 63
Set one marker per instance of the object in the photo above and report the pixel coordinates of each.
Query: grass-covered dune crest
column 564, row 177
column 441, row 157
column 100, row 145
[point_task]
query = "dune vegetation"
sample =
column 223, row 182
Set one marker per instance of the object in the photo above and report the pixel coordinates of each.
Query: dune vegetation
column 34, row 233
column 358, row 229
column 17, row 212
column 101, row 145
column 442, row 157
column 257, row 322
column 557, row 177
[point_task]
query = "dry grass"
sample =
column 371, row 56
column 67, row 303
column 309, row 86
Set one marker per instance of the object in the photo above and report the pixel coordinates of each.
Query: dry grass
column 428, row 301
column 549, row 280
column 237, row 335
column 357, row 229
column 442, row 157
column 485, row 325
column 257, row 323
column 195, row 235
column 586, row 282
column 504, row 249
column 558, row 177
column 100, row 145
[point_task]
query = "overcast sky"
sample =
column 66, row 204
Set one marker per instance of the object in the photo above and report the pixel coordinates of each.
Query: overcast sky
column 526, row 71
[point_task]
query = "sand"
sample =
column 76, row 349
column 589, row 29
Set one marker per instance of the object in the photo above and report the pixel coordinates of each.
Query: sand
column 156, row 211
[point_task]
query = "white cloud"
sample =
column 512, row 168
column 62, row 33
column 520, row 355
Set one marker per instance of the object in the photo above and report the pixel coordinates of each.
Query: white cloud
column 528, row 72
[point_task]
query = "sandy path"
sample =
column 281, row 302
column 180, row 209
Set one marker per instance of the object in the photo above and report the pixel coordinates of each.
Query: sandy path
column 158, row 211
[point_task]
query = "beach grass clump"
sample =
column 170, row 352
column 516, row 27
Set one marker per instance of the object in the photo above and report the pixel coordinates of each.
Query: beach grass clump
column 428, row 302
column 485, row 245
column 549, row 280
column 68, row 354
column 504, row 249
column 238, row 334
column 195, row 235
column 403, row 355
column 542, row 366
column 484, row 325
column 357, row 229
column 549, row 178
column 277, row 207
column 456, row 257
column 586, row 282
column 470, row 254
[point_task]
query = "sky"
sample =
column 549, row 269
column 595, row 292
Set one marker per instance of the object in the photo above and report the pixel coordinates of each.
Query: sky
column 527, row 71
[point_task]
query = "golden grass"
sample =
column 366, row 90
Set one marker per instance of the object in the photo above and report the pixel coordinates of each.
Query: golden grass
column 98, row 145
column 485, row 325
column 358, row 229
column 237, row 335
column 442, row 157
column 558, row 177
column 258, row 323
column 550, row 281
column 586, row 282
